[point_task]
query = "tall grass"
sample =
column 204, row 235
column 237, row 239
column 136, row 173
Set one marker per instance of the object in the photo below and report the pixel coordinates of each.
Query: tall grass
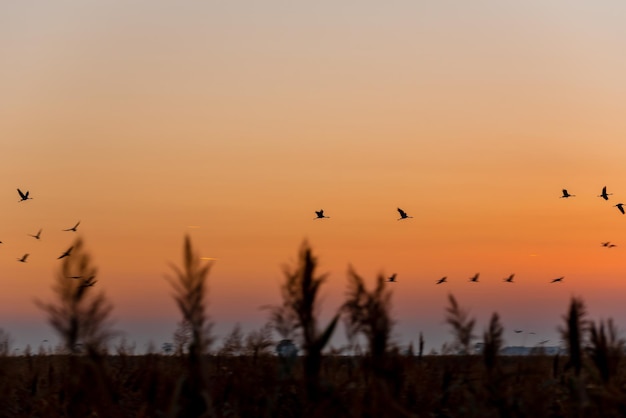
column 190, row 293
column 245, row 380
column 299, row 312
column 369, row 313
column 81, row 315
column 462, row 326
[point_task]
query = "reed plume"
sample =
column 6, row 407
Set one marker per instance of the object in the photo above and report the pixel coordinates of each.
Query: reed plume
column 462, row 326
column 369, row 313
column 299, row 312
column 605, row 349
column 79, row 316
column 190, row 293
column 573, row 334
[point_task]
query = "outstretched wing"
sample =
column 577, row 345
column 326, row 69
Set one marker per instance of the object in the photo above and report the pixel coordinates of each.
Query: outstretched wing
column 402, row 213
column 22, row 195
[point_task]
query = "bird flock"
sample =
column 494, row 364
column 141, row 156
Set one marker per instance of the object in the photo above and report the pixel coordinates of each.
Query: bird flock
column 474, row 279
column 24, row 258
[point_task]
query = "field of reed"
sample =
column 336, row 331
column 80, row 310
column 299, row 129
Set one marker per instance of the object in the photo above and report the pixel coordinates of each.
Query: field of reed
column 244, row 377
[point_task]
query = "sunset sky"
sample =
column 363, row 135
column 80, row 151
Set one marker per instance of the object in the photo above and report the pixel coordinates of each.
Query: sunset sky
column 233, row 121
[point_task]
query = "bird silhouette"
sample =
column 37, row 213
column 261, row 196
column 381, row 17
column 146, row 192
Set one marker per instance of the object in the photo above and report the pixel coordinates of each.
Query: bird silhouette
column 392, row 278
column 320, row 214
column 604, row 194
column 37, row 236
column 605, row 244
column 510, row 278
column 518, row 331
column 66, row 253
column 74, row 277
column 566, row 194
column 474, row 278
column 558, row 279
column 442, row 280
column 403, row 214
column 620, row 206
column 23, row 196
column 73, row 228
column 89, row 281
column 612, row 245
column 23, row 259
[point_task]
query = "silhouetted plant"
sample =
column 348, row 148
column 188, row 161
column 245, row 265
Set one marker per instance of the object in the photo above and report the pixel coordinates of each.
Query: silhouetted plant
column 368, row 312
column 233, row 343
column 299, row 311
column 190, row 293
column 462, row 326
column 573, row 334
column 492, row 342
column 182, row 337
column 5, row 343
column 259, row 342
column 79, row 316
column 605, row 349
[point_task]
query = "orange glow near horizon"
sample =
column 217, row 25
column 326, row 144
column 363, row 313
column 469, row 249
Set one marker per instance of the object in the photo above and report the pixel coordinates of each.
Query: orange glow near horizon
column 234, row 124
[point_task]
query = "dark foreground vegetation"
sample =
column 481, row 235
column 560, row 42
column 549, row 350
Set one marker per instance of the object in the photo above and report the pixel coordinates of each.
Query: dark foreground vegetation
column 246, row 378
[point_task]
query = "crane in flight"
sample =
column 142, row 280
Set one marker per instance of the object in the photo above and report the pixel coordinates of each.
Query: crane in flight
column 474, row 278
column 566, row 194
column 510, row 278
column 66, row 253
column 36, row 236
column 558, row 279
column 23, row 196
column 620, row 206
column 73, row 228
column 23, row 259
column 403, row 214
column 604, row 194
column 320, row 214
column 392, row 278
column 442, row 280
column 608, row 244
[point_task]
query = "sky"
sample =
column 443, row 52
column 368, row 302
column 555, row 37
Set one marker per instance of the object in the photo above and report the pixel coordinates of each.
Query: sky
column 232, row 122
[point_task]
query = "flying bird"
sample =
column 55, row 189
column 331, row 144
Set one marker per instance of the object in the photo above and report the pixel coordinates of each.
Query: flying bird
column 392, row 278
column 320, row 214
column 566, row 194
column 23, row 196
column 403, row 214
column 474, row 278
column 74, row 277
column 604, row 194
column 66, row 253
column 558, row 279
column 89, row 282
column 23, row 259
column 612, row 245
column 518, row 331
column 37, row 236
column 73, row 228
column 605, row 244
column 442, row 280
column 510, row 278
column 620, row 206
